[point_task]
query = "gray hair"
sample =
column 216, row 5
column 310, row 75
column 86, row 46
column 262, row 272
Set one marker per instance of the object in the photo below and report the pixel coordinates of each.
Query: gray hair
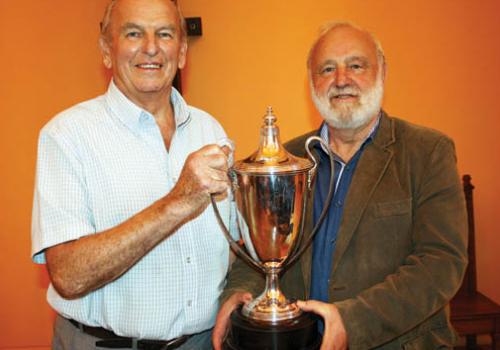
column 106, row 19
column 328, row 27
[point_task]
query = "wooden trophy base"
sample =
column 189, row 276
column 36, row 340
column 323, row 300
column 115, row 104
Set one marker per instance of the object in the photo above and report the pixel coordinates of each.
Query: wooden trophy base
column 300, row 333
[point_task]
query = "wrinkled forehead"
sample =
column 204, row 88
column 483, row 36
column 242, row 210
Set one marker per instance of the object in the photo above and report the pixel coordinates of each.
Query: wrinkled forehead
column 343, row 43
column 145, row 12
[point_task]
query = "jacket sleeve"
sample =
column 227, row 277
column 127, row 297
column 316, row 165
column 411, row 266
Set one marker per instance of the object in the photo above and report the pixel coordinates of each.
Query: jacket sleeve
column 431, row 273
column 242, row 278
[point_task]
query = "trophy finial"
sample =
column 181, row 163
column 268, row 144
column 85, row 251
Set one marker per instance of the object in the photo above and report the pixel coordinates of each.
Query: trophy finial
column 270, row 148
column 271, row 156
column 270, row 118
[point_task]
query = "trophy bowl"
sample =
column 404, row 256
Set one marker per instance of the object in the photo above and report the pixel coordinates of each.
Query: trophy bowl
column 270, row 211
column 272, row 190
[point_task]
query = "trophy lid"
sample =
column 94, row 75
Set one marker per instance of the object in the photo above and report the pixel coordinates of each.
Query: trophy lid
column 271, row 157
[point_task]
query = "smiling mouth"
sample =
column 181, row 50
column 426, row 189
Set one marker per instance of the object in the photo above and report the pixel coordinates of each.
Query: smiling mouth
column 149, row 66
column 343, row 96
column 340, row 97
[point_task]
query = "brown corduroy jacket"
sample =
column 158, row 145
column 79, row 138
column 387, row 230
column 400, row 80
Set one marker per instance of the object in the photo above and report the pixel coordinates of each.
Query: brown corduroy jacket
column 401, row 247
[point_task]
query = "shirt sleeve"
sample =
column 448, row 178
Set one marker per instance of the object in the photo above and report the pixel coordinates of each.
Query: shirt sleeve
column 61, row 210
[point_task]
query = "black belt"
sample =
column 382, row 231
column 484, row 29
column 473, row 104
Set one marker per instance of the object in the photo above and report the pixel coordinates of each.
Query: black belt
column 113, row 341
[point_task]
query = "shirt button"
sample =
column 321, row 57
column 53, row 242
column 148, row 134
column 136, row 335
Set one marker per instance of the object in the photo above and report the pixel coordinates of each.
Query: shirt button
column 188, row 260
column 189, row 303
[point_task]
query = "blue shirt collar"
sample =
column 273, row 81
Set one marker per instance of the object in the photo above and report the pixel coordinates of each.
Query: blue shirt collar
column 132, row 115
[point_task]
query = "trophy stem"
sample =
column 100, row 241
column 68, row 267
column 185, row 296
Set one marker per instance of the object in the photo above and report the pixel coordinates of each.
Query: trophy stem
column 271, row 306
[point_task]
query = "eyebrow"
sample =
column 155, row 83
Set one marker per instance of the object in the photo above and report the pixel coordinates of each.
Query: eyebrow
column 168, row 27
column 345, row 60
column 327, row 62
column 131, row 25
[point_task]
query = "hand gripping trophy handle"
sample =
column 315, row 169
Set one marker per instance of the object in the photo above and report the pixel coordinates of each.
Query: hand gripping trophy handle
column 272, row 189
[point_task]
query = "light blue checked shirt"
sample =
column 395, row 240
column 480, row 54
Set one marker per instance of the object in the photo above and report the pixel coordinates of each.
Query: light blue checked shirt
column 99, row 163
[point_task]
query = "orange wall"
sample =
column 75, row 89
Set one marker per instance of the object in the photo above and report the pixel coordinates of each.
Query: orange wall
column 443, row 56
column 49, row 61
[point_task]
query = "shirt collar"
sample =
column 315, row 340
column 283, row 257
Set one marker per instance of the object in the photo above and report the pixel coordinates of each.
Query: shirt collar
column 323, row 133
column 132, row 115
column 181, row 110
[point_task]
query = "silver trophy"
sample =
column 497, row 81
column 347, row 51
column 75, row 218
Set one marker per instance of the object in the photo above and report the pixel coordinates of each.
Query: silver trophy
column 272, row 189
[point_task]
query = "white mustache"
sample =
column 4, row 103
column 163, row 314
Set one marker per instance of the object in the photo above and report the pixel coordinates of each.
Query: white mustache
column 348, row 90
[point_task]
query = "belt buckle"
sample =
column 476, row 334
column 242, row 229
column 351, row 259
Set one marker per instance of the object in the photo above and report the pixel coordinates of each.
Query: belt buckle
column 176, row 341
column 167, row 345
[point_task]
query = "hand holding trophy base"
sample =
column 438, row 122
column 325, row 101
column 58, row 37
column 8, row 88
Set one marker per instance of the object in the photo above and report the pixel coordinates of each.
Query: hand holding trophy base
column 300, row 333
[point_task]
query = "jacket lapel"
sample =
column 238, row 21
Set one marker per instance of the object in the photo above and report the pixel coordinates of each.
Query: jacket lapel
column 370, row 169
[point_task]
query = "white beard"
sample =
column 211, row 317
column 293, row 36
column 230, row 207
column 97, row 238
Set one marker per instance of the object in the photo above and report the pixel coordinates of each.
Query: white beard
column 350, row 115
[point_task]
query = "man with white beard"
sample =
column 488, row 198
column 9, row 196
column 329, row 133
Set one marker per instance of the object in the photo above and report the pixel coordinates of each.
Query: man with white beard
column 392, row 251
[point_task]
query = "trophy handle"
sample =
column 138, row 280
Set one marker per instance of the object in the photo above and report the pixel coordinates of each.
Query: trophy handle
column 234, row 245
column 326, row 205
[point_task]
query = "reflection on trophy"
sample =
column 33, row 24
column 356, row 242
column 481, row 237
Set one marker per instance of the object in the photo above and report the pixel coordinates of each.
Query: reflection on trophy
column 271, row 189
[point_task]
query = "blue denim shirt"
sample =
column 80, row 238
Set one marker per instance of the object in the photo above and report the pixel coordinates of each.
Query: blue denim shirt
column 325, row 240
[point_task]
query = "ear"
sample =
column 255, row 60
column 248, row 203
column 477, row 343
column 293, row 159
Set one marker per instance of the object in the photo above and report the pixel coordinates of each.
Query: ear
column 182, row 54
column 105, row 51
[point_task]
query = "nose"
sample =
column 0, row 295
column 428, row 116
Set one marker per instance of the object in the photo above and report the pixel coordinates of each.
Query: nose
column 150, row 44
column 341, row 77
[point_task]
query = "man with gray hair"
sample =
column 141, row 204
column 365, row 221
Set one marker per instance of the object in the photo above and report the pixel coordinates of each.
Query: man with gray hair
column 392, row 251
column 135, row 258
